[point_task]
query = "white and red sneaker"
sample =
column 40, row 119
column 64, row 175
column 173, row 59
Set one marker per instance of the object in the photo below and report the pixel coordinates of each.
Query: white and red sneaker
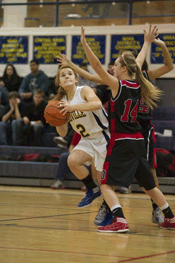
column 169, row 223
column 119, row 225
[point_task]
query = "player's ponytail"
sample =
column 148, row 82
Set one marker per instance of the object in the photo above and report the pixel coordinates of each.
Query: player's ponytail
column 149, row 92
column 60, row 94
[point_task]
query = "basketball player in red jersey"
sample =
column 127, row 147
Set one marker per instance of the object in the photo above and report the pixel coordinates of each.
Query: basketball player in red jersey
column 145, row 116
column 126, row 151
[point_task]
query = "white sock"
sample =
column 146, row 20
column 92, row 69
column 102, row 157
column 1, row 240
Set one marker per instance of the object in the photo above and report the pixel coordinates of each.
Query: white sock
column 115, row 206
column 164, row 206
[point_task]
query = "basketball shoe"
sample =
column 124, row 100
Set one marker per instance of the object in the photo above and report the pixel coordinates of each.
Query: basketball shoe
column 103, row 217
column 157, row 216
column 61, row 142
column 169, row 223
column 125, row 190
column 107, row 219
column 118, row 225
column 58, row 185
column 91, row 194
column 84, row 188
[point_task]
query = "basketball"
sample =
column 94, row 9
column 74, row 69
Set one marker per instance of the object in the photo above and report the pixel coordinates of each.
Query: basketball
column 53, row 116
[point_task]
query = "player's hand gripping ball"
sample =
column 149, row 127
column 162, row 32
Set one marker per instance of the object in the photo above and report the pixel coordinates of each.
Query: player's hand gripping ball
column 53, row 115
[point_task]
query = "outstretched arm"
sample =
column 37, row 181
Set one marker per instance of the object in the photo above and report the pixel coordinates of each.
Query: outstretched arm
column 168, row 64
column 148, row 38
column 64, row 61
column 111, row 81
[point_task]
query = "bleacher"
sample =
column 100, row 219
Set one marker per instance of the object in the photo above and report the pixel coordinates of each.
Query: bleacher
column 164, row 119
column 23, row 173
column 42, row 174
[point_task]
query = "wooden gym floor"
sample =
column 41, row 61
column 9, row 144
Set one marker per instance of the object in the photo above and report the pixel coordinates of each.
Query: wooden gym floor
column 41, row 225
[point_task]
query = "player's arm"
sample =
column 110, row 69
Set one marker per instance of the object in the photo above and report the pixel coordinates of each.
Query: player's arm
column 87, row 93
column 64, row 61
column 149, row 37
column 62, row 130
column 168, row 64
column 108, row 79
column 93, row 102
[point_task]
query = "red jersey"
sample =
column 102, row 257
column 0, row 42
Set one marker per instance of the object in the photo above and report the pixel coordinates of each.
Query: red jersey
column 123, row 109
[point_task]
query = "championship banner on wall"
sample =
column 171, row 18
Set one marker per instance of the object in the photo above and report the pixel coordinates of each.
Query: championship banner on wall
column 96, row 43
column 47, row 48
column 122, row 42
column 13, row 50
column 156, row 51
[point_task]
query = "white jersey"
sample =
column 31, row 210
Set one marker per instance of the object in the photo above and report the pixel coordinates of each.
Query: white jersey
column 88, row 123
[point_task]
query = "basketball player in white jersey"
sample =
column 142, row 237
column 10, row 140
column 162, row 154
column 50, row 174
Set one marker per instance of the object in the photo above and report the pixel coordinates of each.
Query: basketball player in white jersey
column 89, row 119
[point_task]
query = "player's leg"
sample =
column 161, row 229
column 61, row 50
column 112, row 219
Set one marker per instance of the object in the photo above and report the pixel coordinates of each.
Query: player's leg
column 157, row 216
column 119, row 223
column 119, row 169
column 158, row 197
column 153, row 170
column 76, row 161
column 104, row 215
column 121, row 166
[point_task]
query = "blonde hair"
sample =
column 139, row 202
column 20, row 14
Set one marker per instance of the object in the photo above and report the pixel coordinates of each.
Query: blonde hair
column 61, row 92
column 149, row 92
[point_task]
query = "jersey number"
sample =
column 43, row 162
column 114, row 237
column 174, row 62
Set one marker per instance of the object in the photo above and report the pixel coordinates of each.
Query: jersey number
column 82, row 130
column 127, row 112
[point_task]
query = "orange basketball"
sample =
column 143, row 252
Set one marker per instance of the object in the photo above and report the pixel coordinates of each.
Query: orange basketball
column 53, row 116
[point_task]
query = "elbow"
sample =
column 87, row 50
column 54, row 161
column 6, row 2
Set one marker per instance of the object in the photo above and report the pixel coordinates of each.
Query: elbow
column 172, row 67
column 99, row 105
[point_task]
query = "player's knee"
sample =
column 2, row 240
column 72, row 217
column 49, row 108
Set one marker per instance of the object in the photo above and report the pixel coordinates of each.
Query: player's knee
column 72, row 162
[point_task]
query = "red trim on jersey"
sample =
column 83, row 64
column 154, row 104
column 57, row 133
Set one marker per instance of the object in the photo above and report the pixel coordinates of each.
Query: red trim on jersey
column 162, row 150
column 106, row 164
column 110, row 146
column 120, row 135
column 154, row 150
column 153, row 133
column 131, row 84
column 154, row 158
column 105, row 172
column 112, row 106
